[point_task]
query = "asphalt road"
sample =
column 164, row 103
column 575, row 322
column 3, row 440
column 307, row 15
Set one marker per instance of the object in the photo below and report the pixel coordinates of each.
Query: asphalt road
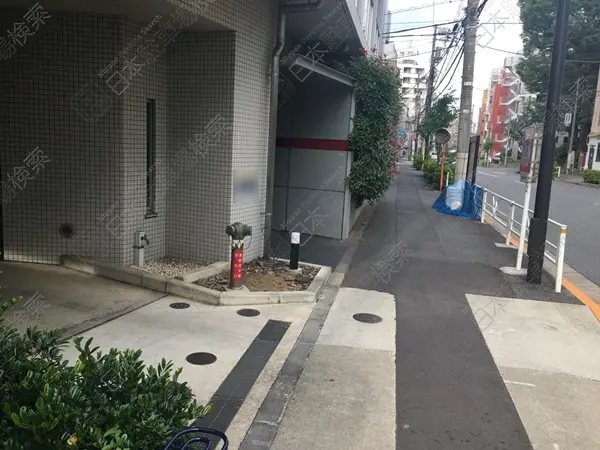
column 576, row 206
column 449, row 392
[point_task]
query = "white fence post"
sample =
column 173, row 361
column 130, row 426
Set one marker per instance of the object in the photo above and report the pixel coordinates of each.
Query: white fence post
column 560, row 257
column 511, row 217
column 484, row 199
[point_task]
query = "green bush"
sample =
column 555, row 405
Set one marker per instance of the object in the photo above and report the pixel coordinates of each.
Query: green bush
column 418, row 162
column 432, row 171
column 376, row 87
column 591, row 176
column 109, row 402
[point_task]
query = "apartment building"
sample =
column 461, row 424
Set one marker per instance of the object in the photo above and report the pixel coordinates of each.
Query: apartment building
column 119, row 117
column 413, row 87
column 592, row 160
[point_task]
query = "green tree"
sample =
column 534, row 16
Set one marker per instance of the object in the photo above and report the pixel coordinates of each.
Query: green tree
column 531, row 115
column 538, row 17
column 487, row 145
column 442, row 113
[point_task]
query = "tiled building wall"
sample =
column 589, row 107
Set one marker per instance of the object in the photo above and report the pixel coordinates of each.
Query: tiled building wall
column 255, row 25
column 82, row 177
column 151, row 82
column 95, row 179
column 201, row 75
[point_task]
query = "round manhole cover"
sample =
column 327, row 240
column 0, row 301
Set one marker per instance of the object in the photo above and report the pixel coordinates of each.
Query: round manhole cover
column 248, row 312
column 367, row 318
column 201, row 358
column 179, row 305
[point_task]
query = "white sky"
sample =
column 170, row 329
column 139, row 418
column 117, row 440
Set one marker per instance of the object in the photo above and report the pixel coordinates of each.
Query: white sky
column 502, row 34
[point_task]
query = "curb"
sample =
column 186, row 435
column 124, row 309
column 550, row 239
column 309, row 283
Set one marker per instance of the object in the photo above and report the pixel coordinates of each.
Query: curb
column 265, row 425
column 581, row 183
column 584, row 294
column 194, row 292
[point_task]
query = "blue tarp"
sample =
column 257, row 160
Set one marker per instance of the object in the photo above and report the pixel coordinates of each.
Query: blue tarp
column 471, row 203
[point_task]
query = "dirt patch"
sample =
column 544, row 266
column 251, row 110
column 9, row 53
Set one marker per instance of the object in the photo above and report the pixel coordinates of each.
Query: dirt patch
column 169, row 267
column 266, row 276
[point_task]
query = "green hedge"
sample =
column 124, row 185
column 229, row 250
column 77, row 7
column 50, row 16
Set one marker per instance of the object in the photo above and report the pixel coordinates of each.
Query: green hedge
column 101, row 401
column 432, row 171
column 591, row 176
column 418, row 162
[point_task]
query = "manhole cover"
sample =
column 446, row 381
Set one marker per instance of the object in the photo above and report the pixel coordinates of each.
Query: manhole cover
column 179, row 305
column 201, row 359
column 248, row 312
column 367, row 318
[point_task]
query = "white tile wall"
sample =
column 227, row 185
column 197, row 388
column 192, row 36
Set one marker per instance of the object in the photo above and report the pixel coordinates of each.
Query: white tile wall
column 95, row 179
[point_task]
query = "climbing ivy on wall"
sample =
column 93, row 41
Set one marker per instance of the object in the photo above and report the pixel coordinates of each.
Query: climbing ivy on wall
column 377, row 111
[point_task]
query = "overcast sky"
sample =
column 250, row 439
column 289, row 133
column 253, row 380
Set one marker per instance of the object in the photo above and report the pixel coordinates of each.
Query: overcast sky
column 502, row 33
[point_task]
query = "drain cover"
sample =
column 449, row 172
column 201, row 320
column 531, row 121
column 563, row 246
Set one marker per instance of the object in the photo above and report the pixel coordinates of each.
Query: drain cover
column 367, row 318
column 179, row 305
column 201, row 359
column 248, row 312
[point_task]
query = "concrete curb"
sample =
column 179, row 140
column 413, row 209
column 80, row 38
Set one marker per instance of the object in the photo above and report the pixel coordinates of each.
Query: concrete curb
column 205, row 272
column 266, row 423
column 194, row 292
column 581, row 183
column 585, row 290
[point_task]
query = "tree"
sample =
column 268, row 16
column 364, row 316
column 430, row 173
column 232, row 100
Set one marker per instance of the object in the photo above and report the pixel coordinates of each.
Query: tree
column 538, row 17
column 487, row 145
column 441, row 114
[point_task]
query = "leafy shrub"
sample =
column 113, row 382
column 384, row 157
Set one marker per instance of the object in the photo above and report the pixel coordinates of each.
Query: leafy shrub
column 432, row 171
column 373, row 137
column 591, row 176
column 109, row 402
column 418, row 162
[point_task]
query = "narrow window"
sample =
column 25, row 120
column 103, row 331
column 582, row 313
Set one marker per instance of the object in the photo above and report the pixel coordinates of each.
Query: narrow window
column 151, row 157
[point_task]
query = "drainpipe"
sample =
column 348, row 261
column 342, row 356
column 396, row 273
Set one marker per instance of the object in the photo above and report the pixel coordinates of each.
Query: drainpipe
column 283, row 11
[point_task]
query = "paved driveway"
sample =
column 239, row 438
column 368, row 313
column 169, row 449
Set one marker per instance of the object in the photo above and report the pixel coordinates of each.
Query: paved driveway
column 56, row 297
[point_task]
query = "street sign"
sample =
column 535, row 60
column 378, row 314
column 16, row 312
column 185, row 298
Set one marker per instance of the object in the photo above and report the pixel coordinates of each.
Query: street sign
column 568, row 118
column 531, row 153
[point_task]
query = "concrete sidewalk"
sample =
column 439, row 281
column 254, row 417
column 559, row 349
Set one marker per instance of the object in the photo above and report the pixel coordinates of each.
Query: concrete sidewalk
column 483, row 360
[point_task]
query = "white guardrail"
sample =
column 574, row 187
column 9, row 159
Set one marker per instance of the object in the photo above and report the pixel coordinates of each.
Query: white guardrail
column 555, row 252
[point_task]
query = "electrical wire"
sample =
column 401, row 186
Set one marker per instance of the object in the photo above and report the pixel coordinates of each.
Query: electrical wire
column 415, row 8
column 422, row 27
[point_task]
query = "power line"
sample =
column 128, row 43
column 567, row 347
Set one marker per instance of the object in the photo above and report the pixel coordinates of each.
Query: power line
column 423, row 27
column 415, row 8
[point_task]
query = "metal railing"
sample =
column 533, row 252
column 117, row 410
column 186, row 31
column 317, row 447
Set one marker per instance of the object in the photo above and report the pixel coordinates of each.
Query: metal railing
column 492, row 206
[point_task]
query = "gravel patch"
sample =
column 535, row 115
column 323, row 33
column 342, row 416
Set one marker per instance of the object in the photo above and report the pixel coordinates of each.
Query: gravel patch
column 169, row 267
column 265, row 276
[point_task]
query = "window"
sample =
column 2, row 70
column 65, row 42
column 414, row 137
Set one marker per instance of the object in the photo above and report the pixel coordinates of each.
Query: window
column 597, row 153
column 151, row 157
column 406, row 70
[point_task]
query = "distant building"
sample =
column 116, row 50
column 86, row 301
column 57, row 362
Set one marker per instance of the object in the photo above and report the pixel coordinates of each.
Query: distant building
column 592, row 160
column 503, row 102
column 390, row 54
column 413, row 89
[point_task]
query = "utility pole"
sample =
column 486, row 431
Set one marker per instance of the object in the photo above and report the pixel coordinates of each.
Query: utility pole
column 466, row 94
column 536, row 246
column 430, row 81
column 508, row 145
column 573, row 121
column 418, row 114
